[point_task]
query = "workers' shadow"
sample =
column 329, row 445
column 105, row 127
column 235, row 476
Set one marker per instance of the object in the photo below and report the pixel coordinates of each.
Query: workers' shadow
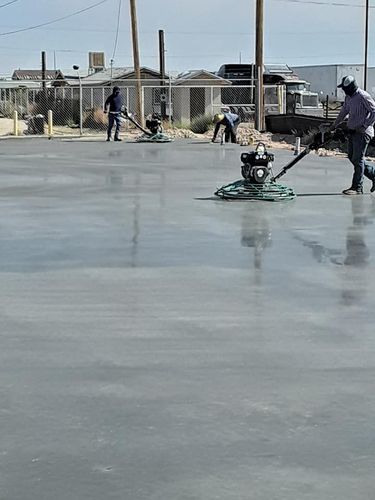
column 357, row 256
column 256, row 235
column 354, row 259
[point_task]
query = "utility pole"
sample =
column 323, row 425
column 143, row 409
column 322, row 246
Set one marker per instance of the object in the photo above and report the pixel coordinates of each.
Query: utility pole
column 366, row 44
column 163, row 94
column 44, row 86
column 44, row 69
column 137, row 68
column 259, row 95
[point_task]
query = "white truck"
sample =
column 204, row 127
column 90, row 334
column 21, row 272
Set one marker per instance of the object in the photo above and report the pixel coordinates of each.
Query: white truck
column 284, row 91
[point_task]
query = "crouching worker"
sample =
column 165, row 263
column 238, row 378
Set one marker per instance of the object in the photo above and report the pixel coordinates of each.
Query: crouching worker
column 114, row 103
column 231, row 122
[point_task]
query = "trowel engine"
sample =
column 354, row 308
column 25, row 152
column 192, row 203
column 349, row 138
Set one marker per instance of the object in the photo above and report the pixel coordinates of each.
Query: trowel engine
column 154, row 124
column 257, row 165
column 154, row 130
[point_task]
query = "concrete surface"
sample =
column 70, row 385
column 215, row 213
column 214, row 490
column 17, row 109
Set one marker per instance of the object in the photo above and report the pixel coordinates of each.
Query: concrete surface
column 158, row 347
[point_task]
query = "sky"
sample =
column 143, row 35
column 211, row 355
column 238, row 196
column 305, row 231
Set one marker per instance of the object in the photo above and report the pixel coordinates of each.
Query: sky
column 198, row 33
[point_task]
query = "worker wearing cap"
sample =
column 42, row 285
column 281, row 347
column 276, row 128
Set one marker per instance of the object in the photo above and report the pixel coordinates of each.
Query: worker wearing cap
column 230, row 121
column 359, row 107
column 114, row 103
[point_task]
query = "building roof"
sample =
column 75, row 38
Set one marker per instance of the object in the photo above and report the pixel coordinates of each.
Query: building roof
column 16, row 84
column 36, row 74
column 199, row 74
column 107, row 75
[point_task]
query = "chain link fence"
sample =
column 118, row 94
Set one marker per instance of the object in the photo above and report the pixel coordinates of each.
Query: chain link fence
column 78, row 109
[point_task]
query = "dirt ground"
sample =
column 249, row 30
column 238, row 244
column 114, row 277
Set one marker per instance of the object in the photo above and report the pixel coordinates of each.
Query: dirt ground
column 6, row 126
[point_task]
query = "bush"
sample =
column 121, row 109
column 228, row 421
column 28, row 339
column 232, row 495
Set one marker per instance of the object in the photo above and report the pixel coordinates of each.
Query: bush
column 201, row 124
column 7, row 109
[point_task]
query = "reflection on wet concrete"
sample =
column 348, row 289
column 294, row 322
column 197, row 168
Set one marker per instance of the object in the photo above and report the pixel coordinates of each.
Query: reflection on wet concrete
column 354, row 258
column 136, row 225
column 116, row 154
column 357, row 257
column 256, row 234
column 114, row 179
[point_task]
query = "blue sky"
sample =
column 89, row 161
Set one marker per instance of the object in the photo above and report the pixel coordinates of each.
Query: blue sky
column 199, row 33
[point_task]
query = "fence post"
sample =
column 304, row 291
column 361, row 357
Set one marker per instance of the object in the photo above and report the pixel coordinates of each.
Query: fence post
column 170, row 101
column 142, row 110
column 15, row 123
column 280, row 98
column 50, row 123
column 327, row 98
column 80, row 108
column 297, row 148
column 212, row 101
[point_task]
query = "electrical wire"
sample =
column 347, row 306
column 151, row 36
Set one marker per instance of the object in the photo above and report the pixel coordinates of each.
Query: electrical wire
column 8, row 3
column 54, row 20
column 117, row 29
column 327, row 4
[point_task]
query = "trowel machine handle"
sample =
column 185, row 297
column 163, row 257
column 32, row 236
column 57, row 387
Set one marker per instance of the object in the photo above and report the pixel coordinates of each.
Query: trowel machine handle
column 125, row 114
column 321, row 139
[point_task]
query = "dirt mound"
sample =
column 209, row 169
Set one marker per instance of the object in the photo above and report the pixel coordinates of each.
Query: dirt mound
column 181, row 133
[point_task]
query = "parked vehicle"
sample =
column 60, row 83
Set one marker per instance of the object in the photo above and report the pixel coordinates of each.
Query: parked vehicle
column 297, row 97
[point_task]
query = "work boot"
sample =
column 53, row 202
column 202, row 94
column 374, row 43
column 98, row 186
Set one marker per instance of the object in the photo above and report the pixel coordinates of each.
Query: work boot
column 352, row 191
column 117, row 139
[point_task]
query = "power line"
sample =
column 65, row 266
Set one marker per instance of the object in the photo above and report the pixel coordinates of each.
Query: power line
column 8, row 3
column 327, row 4
column 117, row 29
column 54, row 20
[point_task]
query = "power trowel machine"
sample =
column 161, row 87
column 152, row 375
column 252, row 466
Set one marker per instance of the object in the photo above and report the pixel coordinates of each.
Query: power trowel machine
column 259, row 181
column 154, row 131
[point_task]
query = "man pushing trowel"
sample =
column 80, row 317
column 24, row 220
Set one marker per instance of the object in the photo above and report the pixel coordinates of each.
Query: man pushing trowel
column 359, row 107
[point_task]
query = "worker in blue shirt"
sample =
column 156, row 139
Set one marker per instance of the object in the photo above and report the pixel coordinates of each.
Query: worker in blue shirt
column 114, row 104
column 359, row 108
column 231, row 122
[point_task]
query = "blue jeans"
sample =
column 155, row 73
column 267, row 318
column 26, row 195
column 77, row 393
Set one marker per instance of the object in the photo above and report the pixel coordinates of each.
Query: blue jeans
column 231, row 132
column 113, row 118
column 358, row 143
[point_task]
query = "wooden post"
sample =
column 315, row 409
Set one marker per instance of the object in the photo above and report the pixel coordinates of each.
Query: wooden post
column 163, row 94
column 259, row 95
column 44, row 84
column 137, row 68
column 366, row 44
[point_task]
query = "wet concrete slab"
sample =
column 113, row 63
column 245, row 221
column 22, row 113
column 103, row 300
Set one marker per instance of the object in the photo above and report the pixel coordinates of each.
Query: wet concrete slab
column 155, row 346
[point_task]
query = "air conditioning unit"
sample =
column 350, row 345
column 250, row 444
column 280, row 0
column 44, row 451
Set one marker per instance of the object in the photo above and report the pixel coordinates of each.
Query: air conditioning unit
column 96, row 61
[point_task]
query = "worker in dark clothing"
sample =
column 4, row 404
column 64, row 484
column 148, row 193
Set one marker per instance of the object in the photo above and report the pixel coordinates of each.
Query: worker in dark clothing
column 231, row 122
column 114, row 104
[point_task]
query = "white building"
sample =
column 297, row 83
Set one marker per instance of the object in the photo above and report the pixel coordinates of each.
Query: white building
column 325, row 78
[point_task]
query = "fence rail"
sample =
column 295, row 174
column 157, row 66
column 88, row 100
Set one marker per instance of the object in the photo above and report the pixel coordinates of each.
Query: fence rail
column 79, row 108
